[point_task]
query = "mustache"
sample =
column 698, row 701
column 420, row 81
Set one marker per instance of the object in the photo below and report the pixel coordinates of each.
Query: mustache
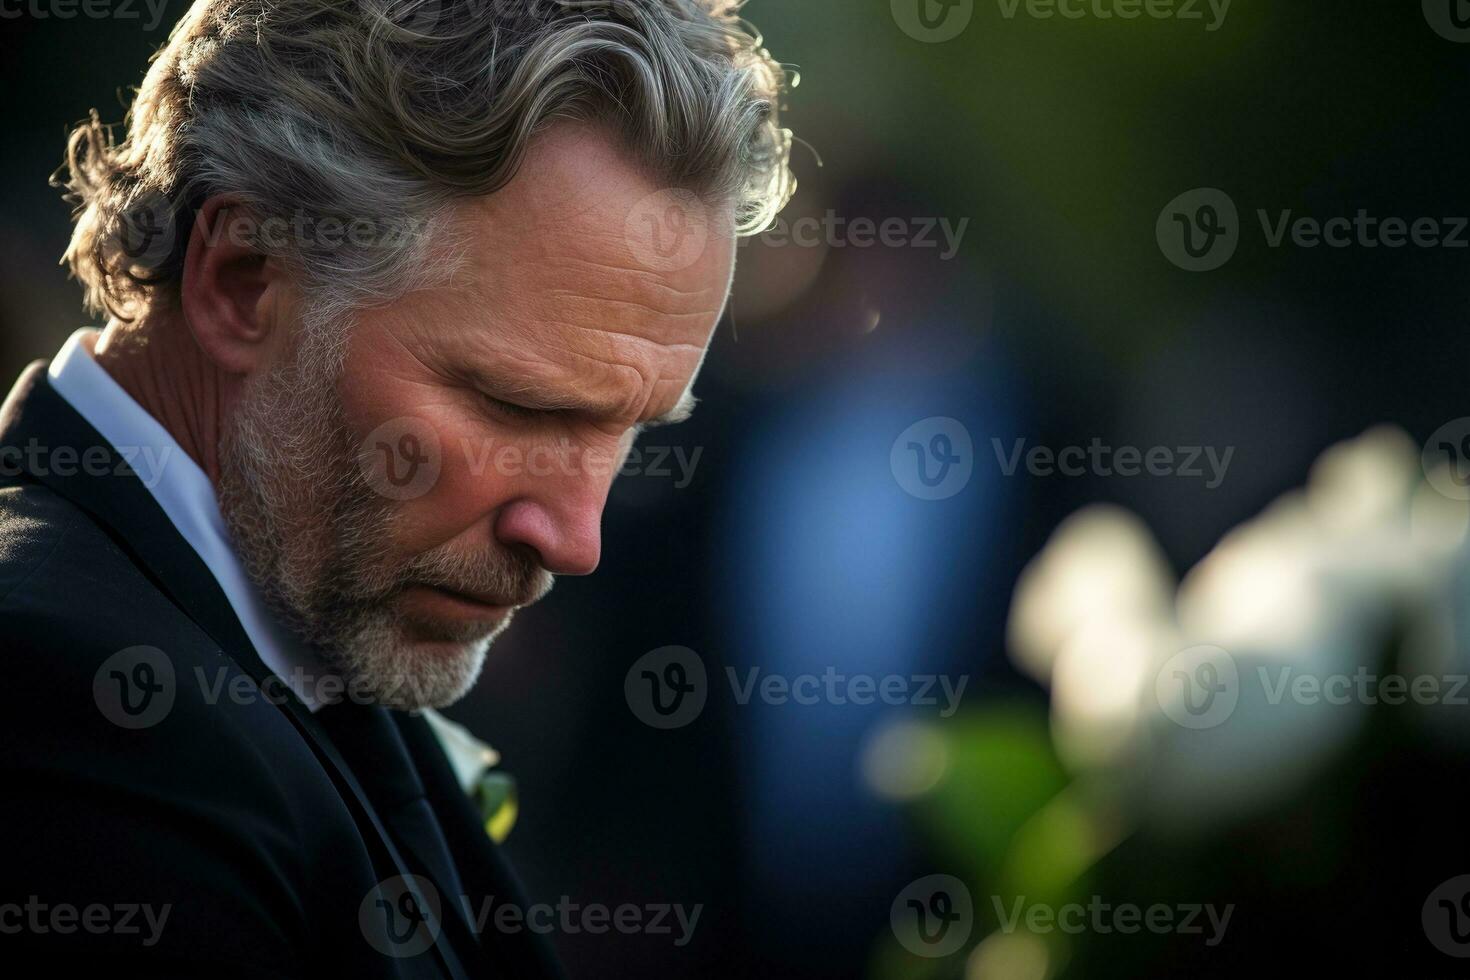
column 508, row 578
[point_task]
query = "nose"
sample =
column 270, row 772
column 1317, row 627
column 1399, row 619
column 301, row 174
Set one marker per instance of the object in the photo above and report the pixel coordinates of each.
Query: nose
column 566, row 537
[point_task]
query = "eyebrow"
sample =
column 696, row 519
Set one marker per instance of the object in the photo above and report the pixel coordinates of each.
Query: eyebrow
column 540, row 400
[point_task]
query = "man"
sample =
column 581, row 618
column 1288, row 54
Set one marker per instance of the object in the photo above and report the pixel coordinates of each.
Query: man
column 391, row 288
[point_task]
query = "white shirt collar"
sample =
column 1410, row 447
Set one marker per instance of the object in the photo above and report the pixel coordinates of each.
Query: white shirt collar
column 187, row 497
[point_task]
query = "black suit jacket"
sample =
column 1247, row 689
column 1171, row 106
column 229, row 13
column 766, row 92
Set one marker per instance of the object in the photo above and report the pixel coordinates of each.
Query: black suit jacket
column 150, row 762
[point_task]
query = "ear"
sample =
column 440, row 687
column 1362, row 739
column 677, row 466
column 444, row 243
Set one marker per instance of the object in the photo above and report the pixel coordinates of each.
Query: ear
column 231, row 295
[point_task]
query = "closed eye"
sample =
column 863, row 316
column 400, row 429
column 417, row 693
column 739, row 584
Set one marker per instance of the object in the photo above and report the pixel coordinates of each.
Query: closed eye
column 511, row 409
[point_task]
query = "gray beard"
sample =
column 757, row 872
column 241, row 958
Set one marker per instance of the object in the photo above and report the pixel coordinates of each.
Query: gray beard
column 314, row 538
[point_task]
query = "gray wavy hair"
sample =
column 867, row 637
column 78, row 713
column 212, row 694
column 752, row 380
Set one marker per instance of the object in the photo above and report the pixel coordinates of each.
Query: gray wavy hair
column 370, row 117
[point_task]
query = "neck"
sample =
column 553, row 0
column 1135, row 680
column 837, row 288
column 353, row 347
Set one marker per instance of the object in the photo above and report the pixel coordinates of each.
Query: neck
column 158, row 363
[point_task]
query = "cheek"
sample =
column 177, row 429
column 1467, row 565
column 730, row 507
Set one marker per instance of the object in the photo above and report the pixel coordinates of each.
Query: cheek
column 423, row 451
column 464, row 480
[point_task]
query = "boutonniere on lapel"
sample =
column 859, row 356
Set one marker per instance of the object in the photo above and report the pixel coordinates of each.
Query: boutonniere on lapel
column 493, row 792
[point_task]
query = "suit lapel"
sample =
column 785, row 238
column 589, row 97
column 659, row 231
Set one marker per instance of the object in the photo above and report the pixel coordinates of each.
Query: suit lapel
column 522, row 954
column 35, row 415
column 374, row 749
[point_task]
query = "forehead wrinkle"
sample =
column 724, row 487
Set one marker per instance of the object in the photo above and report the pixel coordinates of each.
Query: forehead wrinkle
column 623, row 332
column 627, row 276
column 618, row 346
column 625, row 319
column 646, row 392
column 598, row 282
column 611, row 296
column 619, row 342
column 630, row 274
column 580, row 298
column 549, row 351
column 637, row 314
column 646, row 352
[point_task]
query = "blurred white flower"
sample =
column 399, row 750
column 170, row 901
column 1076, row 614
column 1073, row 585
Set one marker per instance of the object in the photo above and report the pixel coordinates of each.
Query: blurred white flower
column 1308, row 589
column 468, row 755
column 1101, row 564
column 1102, row 672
